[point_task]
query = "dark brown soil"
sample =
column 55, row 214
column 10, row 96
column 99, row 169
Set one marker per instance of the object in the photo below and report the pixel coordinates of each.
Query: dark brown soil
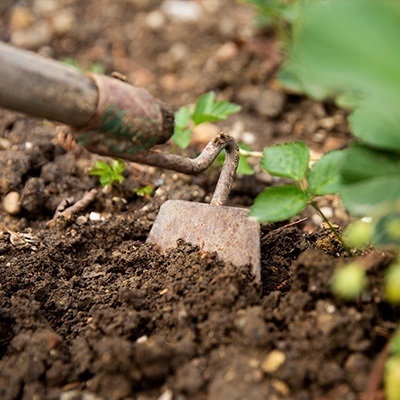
column 89, row 311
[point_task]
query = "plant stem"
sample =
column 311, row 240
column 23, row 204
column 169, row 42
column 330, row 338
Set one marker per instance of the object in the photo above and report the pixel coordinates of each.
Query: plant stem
column 249, row 153
column 331, row 227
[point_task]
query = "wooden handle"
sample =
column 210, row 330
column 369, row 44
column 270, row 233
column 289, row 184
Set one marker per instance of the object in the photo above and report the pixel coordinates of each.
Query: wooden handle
column 111, row 117
column 45, row 88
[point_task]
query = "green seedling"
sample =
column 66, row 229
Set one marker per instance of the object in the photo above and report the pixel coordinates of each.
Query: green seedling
column 349, row 281
column 292, row 161
column 144, row 191
column 109, row 173
column 206, row 109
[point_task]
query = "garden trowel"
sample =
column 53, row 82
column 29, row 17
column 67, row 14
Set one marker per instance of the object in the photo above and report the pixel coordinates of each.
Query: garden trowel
column 116, row 119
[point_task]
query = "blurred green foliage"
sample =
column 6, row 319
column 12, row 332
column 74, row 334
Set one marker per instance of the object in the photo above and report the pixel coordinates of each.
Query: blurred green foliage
column 350, row 48
column 278, row 15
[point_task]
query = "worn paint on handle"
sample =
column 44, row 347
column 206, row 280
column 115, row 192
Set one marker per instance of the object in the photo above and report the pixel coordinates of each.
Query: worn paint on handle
column 128, row 120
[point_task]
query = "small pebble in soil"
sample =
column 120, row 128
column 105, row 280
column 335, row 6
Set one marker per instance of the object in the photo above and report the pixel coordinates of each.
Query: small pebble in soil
column 273, row 361
column 76, row 394
column 11, row 203
column 142, row 339
column 167, row 395
column 182, row 11
column 82, row 219
column 155, row 20
column 227, row 52
column 281, row 387
column 94, row 216
column 5, row 144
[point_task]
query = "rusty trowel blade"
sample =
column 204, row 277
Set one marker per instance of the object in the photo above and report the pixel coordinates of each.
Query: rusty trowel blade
column 225, row 230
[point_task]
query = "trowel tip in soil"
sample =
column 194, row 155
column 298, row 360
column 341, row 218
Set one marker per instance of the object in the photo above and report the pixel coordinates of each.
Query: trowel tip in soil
column 221, row 229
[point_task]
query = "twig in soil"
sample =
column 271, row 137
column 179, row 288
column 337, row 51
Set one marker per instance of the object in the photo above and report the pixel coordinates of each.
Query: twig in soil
column 23, row 240
column 299, row 221
column 65, row 203
column 81, row 204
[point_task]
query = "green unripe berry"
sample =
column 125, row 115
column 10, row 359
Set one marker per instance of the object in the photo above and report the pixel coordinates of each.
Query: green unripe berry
column 349, row 281
column 392, row 284
column 393, row 228
column 392, row 378
column 359, row 234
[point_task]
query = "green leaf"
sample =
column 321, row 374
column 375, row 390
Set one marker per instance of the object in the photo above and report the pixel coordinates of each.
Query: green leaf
column 70, row 61
column 377, row 121
column 181, row 137
column 144, row 191
column 279, row 203
column 289, row 160
column 203, row 107
column 182, row 134
column 362, row 163
column 108, row 173
column 182, row 117
column 208, row 110
column 117, row 167
column 222, row 109
column 97, row 68
column 244, row 168
column 349, row 100
column 332, row 50
column 324, row 176
column 369, row 177
column 387, row 230
column 361, row 197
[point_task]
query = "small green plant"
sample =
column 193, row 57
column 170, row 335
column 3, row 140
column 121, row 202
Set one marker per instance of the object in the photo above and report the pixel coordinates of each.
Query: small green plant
column 206, row 109
column 109, row 173
column 144, row 191
column 292, row 161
